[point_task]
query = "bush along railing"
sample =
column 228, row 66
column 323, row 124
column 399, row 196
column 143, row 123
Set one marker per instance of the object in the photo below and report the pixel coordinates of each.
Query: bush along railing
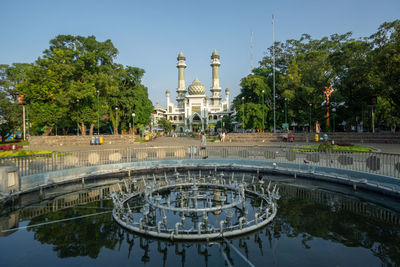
column 10, row 147
column 367, row 162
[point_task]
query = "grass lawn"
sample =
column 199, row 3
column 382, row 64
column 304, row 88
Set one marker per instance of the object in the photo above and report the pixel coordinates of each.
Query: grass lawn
column 340, row 148
column 22, row 152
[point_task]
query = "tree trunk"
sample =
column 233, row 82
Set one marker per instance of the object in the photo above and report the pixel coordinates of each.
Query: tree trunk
column 91, row 129
column 82, row 127
column 48, row 131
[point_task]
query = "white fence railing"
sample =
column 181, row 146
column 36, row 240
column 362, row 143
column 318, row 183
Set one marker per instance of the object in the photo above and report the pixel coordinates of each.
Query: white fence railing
column 369, row 162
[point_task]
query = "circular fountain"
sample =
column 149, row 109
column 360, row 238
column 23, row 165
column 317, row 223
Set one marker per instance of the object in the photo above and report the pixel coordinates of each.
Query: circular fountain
column 185, row 207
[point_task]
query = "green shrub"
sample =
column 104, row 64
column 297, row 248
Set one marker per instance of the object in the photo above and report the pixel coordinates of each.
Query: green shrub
column 325, row 146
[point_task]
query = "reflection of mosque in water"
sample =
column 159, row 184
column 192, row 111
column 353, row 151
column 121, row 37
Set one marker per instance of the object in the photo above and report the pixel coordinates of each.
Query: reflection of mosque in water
column 95, row 200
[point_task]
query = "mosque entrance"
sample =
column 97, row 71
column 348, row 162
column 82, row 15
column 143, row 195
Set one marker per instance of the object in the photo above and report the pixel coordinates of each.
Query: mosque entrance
column 196, row 123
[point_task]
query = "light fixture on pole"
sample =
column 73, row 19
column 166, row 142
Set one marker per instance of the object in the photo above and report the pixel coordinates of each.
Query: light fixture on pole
column 27, row 122
column 310, row 115
column 333, row 115
column 98, row 113
column 77, row 122
column 116, row 120
column 133, row 123
column 273, row 68
column 285, row 110
column 263, row 111
column 372, row 119
column 21, row 101
column 243, row 113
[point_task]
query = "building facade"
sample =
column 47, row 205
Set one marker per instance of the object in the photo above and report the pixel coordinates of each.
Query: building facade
column 194, row 110
column 158, row 113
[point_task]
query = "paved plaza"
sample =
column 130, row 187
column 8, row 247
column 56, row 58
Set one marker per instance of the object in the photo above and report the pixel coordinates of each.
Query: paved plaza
column 165, row 141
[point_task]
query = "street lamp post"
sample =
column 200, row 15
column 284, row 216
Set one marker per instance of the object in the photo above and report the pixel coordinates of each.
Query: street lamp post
column 285, row 110
column 77, row 122
column 333, row 115
column 133, row 123
column 116, row 121
column 372, row 118
column 98, row 113
column 27, row 120
column 263, row 111
column 243, row 114
column 310, row 116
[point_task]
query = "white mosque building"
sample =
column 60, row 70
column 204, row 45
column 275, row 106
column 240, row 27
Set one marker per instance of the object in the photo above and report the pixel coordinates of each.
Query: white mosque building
column 195, row 111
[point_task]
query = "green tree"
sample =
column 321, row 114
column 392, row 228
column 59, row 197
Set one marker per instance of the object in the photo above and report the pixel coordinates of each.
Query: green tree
column 358, row 70
column 252, row 89
column 166, row 124
column 76, row 78
column 129, row 96
column 10, row 111
column 386, row 70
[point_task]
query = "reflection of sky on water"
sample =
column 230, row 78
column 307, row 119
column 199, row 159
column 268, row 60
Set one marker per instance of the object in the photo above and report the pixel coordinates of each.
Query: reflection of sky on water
column 312, row 228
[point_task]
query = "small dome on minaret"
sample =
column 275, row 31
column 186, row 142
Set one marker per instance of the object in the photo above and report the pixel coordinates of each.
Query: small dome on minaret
column 181, row 56
column 215, row 54
column 227, row 91
column 167, row 93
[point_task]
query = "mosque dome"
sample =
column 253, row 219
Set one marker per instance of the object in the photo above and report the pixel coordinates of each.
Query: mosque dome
column 196, row 88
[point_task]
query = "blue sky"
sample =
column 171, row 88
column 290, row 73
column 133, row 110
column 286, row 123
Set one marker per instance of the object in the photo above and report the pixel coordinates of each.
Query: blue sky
column 149, row 34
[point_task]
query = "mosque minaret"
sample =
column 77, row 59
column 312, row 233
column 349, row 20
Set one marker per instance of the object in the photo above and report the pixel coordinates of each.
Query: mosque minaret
column 181, row 90
column 195, row 111
column 215, row 89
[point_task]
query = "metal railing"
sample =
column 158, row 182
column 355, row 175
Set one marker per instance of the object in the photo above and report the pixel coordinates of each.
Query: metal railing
column 368, row 162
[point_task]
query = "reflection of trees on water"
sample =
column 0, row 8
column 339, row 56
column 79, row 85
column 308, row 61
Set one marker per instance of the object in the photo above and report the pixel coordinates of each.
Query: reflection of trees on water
column 298, row 217
column 306, row 219
column 82, row 237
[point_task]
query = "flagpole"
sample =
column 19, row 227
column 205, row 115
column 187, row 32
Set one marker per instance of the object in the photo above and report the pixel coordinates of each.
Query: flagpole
column 273, row 69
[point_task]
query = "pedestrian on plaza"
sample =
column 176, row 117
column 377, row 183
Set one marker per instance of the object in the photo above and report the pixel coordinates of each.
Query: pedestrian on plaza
column 203, row 143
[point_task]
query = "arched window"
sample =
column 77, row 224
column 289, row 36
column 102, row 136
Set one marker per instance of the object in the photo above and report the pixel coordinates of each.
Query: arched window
column 180, row 118
column 174, row 118
column 210, row 117
column 215, row 117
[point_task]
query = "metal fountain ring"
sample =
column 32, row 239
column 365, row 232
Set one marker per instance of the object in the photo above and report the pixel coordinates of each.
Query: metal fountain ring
column 148, row 223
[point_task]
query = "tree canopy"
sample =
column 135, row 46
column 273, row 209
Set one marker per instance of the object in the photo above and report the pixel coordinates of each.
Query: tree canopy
column 76, row 81
column 359, row 70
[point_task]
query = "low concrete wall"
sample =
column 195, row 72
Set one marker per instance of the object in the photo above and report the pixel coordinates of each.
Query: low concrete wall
column 350, row 137
column 40, row 141
column 9, row 181
column 375, row 182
